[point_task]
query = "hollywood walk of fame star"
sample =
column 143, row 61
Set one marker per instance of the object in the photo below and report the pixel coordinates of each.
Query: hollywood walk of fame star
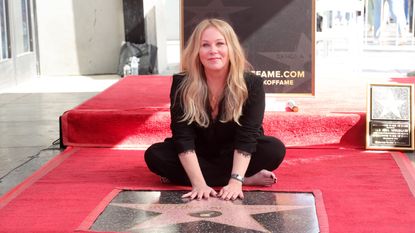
column 213, row 210
column 215, row 8
column 389, row 105
column 296, row 59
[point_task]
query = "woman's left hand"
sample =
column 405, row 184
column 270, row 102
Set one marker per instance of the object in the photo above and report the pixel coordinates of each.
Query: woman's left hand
column 231, row 191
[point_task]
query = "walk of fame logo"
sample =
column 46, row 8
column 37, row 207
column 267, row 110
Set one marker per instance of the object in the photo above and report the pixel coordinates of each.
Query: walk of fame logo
column 166, row 211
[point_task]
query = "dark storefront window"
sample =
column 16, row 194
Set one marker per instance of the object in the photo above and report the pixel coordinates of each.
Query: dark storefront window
column 4, row 31
column 26, row 26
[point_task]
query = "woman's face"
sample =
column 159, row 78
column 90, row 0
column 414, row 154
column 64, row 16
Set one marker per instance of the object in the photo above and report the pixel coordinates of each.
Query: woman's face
column 213, row 52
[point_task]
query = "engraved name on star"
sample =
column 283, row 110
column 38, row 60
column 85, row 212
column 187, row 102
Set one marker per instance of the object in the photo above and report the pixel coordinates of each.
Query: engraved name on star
column 213, row 210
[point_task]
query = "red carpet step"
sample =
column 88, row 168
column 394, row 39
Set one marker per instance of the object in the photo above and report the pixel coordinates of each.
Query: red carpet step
column 134, row 112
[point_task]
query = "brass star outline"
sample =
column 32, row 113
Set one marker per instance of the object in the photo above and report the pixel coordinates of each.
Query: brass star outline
column 233, row 213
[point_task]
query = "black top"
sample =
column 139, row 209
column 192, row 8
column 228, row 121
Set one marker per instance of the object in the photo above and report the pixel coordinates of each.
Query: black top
column 218, row 136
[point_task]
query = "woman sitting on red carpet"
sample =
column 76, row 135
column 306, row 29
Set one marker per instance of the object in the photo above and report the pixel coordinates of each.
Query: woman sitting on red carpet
column 217, row 108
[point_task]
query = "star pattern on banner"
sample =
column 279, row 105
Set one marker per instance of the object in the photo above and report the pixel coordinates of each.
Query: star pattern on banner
column 296, row 59
column 214, row 8
column 230, row 213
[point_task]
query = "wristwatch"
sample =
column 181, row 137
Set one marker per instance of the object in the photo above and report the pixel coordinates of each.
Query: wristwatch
column 237, row 177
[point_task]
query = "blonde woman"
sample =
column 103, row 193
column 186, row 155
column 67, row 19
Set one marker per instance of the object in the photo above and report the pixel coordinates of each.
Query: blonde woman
column 217, row 108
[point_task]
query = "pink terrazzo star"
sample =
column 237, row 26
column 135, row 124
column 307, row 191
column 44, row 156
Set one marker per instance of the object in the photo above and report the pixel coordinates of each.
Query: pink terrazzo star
column 213, row 210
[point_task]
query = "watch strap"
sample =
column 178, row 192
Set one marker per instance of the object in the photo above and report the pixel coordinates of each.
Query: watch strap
column 237, row 177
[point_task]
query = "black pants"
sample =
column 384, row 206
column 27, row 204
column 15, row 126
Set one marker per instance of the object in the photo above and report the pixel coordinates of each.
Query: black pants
column 162, row 159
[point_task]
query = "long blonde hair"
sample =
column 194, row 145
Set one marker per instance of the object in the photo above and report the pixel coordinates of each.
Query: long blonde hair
column 194, row 88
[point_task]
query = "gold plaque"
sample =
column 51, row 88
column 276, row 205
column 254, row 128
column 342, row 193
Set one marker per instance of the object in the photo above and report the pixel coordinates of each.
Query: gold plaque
column 390, row 117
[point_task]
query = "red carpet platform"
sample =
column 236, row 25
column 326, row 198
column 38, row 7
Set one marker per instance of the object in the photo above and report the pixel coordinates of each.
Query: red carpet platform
column 357, row 194
column 135, row 112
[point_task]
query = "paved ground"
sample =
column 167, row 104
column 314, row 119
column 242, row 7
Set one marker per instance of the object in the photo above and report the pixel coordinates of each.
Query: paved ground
column 29, row 126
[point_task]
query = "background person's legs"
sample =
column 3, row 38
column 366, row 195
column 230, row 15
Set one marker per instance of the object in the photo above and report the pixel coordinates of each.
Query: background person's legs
column 377, row 17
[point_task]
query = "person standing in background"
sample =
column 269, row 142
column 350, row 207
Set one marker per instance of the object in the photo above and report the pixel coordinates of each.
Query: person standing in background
column 396, row 11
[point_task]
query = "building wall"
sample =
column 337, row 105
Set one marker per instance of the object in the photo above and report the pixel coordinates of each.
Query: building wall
column 83, row 37
column 7, row 74
column 22, row 65
column 173, row 19
column 79, row 37
column 162, row 27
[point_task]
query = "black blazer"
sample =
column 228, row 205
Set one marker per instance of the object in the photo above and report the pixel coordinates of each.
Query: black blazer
column 219, row 136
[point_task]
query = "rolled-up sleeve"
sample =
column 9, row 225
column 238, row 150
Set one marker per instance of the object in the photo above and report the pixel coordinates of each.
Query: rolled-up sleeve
column 183, row 134
column 252, row 116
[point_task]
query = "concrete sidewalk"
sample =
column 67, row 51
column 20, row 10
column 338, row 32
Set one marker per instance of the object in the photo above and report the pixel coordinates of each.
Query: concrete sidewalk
column 29, row 121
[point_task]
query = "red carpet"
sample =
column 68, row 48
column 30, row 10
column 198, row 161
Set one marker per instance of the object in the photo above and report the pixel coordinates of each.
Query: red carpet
column 134, row 112
column 408, row 80
column 362, row 191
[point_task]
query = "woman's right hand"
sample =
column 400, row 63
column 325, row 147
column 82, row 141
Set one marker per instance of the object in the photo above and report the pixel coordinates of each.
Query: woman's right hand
column 199, row 192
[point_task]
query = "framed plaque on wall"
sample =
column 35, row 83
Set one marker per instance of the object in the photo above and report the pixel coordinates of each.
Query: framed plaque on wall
column 278, row 38
column 390, row 117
